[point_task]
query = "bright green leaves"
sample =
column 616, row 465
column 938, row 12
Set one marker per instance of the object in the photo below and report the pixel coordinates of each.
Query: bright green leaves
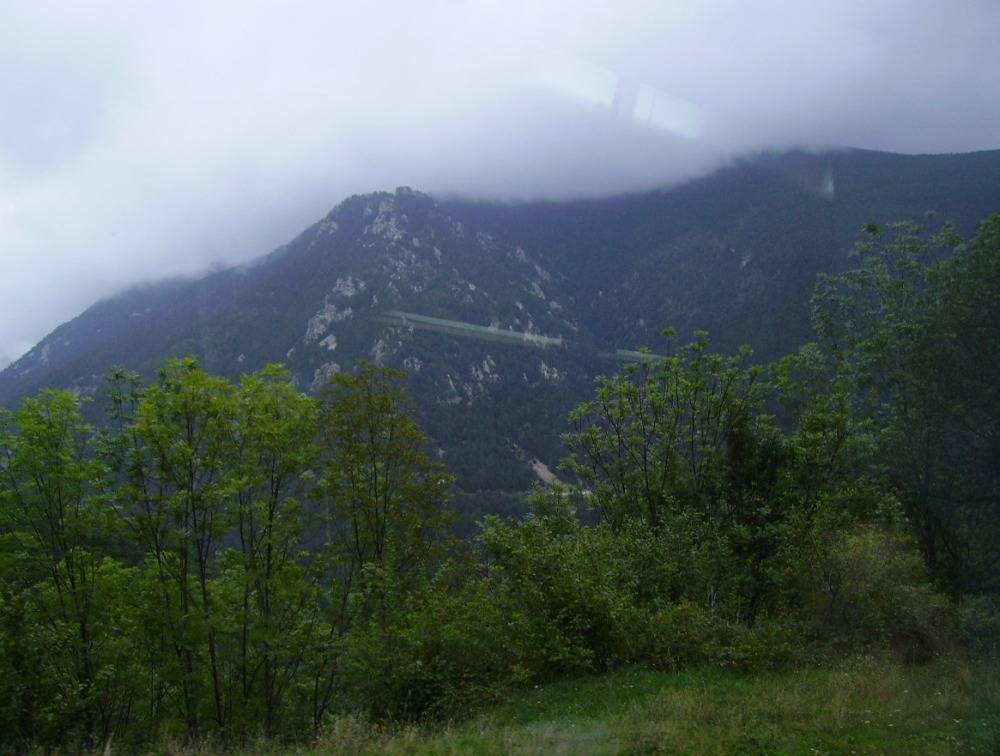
column 206, row 565
column 177, row 485
column 268, row 580
column 60, row 622
column 48, row 484
column 656, row 437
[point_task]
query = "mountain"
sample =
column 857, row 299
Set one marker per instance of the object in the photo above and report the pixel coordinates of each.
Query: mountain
column 737, row 252
column 502, row 315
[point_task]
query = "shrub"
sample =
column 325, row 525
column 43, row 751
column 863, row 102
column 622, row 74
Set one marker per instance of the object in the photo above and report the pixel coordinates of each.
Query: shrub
column 559, row 587
column 870, row 591
column 441, row 656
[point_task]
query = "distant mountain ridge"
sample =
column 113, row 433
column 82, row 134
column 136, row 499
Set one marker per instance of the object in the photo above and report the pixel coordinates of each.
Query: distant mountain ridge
column 503, row 314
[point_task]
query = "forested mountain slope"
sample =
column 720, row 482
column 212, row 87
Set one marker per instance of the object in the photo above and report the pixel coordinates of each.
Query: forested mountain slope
column 736, row 253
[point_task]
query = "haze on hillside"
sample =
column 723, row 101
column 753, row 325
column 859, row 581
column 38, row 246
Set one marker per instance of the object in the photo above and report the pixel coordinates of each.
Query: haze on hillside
column 138, row 142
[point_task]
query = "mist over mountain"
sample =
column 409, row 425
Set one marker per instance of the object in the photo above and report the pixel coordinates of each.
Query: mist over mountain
column 503, row 315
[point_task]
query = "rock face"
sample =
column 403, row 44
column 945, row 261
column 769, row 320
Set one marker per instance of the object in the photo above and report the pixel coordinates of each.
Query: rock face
column 422, row 291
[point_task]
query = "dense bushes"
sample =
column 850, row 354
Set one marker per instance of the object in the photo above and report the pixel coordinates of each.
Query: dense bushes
column 240, row 561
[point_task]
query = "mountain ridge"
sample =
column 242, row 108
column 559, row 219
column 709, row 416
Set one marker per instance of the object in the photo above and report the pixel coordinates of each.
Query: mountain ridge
column 504, row 314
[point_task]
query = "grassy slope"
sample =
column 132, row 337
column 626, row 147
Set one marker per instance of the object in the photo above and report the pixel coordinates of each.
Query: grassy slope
column 862, row 706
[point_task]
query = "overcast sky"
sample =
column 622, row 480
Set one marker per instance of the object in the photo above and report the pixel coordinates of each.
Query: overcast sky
column 140, row 140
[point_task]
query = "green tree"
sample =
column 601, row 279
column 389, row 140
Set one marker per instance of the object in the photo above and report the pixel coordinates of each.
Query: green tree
column 269, row 578
column 177, row 477
column 955, row 359
column 281, row 550
column 681, row 443
column 660, row 435
column 215, row 483
column 57, row 581
column 385, row 498
column 276, row 459
column 909, row 330
column 385, row 494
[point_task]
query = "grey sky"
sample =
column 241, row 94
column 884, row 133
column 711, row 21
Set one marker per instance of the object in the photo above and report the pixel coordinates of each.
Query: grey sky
column 139, row 140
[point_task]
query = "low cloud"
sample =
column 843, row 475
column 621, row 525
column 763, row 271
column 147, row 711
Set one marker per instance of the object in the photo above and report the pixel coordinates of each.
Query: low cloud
column 145, row 141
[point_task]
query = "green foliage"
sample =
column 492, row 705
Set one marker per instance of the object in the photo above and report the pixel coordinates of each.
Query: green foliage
column 218, row 561
column 656, row 437
column 737, row 538
column 384, row 499
column 57, row 587
column 684, row 635
column 956, row 359
column 909, row 333
column 681, row 444
column 384, row 492
column 580, row 598
column 558, row 585
column 445, row 654
column 871, row 591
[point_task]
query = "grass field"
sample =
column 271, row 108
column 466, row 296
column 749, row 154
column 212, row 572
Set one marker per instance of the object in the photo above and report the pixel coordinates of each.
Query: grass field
column 864, row 706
